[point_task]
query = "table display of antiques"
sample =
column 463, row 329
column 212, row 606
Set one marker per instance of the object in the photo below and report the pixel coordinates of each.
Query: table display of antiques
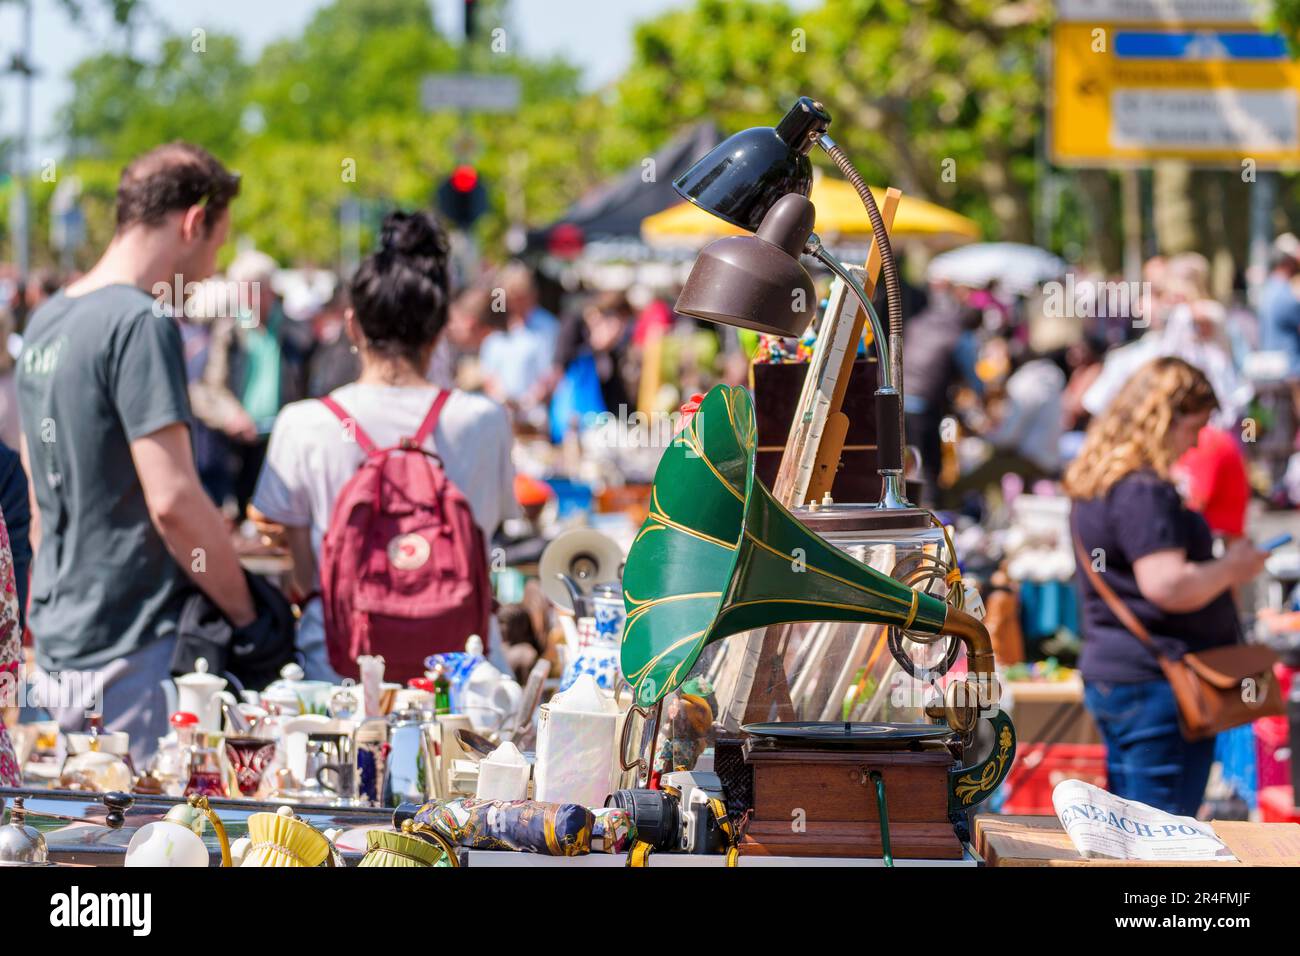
column 755, row 653
column 766, row 674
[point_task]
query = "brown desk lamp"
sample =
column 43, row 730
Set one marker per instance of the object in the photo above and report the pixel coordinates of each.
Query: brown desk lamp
column 759, row 179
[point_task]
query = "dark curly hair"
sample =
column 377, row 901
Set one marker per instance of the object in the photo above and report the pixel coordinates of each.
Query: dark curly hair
column 400, row 292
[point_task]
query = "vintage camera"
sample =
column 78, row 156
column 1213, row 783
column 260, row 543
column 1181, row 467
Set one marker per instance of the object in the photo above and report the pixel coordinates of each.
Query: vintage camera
column 676, row 818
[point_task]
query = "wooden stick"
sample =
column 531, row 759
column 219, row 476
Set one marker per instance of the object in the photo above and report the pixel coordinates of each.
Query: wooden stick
column 786, row 489
column 762, row 680
column 834, row 339
column 836, row 428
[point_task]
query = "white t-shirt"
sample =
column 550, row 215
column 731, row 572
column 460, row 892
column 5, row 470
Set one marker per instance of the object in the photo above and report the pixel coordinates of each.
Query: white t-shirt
column 1031, row 424
column 309, row 460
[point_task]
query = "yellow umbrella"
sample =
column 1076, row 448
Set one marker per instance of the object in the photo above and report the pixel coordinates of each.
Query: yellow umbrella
column 839, row 216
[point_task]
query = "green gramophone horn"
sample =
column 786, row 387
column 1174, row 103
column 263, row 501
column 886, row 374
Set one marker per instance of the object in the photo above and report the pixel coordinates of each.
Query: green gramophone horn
column 718, row 555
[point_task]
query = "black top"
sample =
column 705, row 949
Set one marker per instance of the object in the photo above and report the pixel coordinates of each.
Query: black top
column 573, row 341
column 930, row 341
column 1140, row 515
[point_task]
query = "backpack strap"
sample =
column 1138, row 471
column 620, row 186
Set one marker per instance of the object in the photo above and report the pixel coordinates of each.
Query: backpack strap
column 430, row 421
column 362, row 439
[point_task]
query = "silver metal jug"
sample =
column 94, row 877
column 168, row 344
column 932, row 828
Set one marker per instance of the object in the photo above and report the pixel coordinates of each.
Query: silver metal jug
column 409, row 774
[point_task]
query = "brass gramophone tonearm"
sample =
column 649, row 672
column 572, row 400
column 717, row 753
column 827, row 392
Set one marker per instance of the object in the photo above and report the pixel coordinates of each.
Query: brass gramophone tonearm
column 965, row 700
column 718, row 555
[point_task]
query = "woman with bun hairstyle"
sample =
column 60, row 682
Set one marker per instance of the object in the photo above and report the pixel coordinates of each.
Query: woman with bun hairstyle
column 399, row 299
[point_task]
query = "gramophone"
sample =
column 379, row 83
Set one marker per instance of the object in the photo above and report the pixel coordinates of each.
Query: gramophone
column 719, row 555
column 759, row 179
column 574, row 564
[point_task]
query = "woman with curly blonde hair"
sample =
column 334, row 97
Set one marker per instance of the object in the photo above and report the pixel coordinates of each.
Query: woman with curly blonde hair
column 1156, row 555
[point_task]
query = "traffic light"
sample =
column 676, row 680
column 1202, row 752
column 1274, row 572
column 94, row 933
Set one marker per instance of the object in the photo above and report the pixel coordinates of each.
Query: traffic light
column 462, row 197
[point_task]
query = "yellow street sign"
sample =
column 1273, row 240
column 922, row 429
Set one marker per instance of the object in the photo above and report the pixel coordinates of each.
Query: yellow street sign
column 1211, row 94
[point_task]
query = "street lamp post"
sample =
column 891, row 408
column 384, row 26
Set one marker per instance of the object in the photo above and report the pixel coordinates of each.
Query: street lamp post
column 21, row 66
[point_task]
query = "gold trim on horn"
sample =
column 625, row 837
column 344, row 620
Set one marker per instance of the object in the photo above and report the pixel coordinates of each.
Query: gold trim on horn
column 827, row 574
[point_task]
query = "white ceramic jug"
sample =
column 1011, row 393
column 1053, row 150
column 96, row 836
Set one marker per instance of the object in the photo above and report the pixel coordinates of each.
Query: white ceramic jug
column 200, row 695
column 577, row 746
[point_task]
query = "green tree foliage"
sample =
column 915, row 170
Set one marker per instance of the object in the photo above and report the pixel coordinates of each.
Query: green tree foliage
column 356, row 59
column 193, row 88
column 939, row 97
column 1285, row 16
column 333, row 115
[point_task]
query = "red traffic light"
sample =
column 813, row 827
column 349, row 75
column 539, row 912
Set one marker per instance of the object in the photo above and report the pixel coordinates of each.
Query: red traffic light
column 464, row 179
column 565, row 241
column 462, row 196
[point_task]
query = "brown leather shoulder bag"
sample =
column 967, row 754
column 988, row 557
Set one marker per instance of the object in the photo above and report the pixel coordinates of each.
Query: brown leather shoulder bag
column 1215, row 689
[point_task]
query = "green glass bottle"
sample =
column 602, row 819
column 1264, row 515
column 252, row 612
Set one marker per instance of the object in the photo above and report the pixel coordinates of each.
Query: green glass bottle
column 441, row 692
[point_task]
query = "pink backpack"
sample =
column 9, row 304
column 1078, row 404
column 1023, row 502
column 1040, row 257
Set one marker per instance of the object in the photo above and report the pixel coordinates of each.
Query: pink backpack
column 403, row 566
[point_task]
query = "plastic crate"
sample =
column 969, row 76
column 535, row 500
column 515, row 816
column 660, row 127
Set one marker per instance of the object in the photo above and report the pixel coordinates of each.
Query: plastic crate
column 1038, row 768
column 1272, row 751
column 1277, row 805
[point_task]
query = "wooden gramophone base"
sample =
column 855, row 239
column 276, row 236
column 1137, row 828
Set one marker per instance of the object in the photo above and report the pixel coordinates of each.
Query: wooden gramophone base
column 810, row 802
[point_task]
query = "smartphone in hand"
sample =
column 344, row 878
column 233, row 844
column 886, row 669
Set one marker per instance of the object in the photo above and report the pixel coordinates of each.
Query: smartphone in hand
column 1272, row 544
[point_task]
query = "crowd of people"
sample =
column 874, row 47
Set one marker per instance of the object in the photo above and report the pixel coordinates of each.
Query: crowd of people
column 150, row 435
column 1027, row 375
column 136, row 439
column 1161, row 421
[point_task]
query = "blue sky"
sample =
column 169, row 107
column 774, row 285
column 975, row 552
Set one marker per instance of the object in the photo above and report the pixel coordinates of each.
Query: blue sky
column 596, row 34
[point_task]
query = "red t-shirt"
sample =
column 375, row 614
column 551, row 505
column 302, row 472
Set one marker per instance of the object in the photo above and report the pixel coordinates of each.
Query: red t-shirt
column 1216, row 482
column 656, row 316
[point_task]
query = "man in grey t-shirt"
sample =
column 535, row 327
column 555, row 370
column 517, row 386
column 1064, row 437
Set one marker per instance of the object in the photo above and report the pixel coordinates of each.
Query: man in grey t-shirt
column 121, row 526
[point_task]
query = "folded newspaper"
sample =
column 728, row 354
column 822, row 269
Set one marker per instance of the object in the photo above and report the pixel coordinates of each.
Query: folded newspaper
column 1103, row 825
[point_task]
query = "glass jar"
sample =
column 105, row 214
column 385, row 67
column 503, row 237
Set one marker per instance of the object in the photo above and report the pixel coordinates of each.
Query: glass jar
column 838, row 671
column 170, row 765
column 207, row 777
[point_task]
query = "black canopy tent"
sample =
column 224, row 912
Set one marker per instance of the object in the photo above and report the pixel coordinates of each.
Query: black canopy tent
column 615, row 209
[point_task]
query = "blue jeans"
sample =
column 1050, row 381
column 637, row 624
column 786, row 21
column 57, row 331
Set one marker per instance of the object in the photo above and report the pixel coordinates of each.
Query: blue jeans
column 1147, row 759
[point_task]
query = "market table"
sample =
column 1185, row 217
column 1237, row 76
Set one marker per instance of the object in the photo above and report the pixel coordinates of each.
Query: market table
column 1041, row 841
column 500, row 858
column 72, row 822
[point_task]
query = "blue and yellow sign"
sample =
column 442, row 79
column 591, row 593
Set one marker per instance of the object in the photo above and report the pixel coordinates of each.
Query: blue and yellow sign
column 1211, row 94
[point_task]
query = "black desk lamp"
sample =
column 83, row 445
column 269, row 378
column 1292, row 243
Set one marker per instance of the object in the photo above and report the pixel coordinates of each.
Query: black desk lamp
column 759, row 179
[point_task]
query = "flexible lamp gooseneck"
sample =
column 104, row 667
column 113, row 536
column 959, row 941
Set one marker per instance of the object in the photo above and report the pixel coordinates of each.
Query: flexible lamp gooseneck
column 759, row 179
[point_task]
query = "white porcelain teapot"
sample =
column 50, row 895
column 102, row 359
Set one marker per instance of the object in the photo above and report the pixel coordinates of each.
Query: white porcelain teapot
column 488, row 697
column 200, row 695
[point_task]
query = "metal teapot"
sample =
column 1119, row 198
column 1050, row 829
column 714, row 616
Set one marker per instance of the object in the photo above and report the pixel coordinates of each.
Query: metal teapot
column 21, row 845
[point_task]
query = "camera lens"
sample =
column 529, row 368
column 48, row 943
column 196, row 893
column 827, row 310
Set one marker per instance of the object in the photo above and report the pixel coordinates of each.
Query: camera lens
column 654, row 813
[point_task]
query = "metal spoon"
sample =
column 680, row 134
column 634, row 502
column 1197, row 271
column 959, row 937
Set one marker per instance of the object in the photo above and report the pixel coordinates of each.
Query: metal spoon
column 476, row 745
